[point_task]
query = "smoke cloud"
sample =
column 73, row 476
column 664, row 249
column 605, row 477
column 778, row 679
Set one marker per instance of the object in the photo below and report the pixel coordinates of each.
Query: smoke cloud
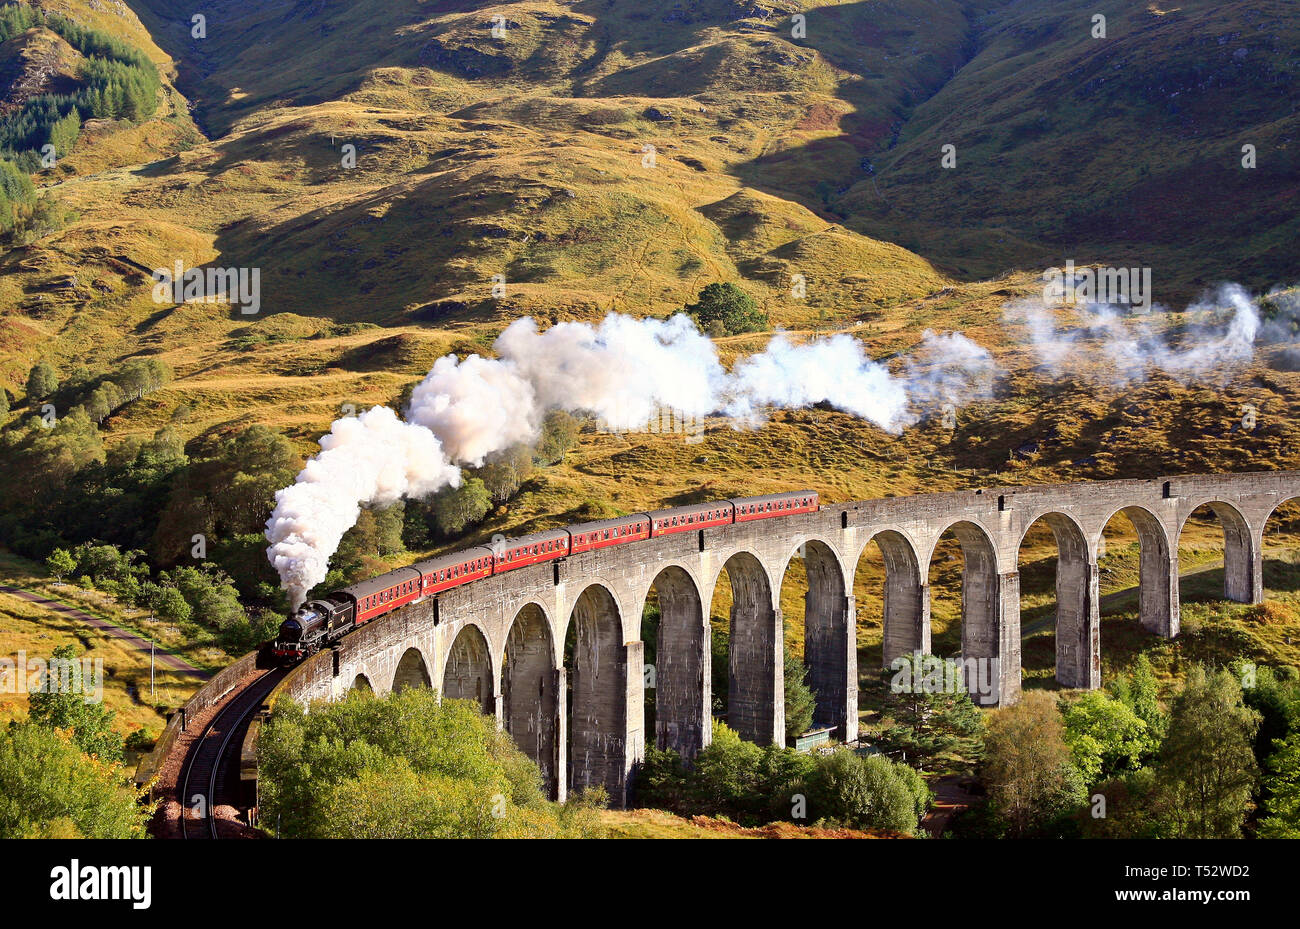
column 371, row 459
column 624, row 371
column 1107, row 345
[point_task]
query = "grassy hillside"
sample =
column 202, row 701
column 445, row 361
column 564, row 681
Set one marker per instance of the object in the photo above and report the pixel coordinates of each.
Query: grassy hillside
column 526, row 155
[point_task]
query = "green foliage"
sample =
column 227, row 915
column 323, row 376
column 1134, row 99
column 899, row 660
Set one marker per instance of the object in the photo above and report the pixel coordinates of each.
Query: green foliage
column 17, row 192
column 728, row 306
column 404, row 766
column 50, row 789
column 63, row 700
column 871, row 792
column 1106, row 737
column 929, row 717
column 1140, row 691
column 458, row 508
column 730, row 777
column 41, row 382
column 800, row 700
column 504, row 473
column 751, row 785
column 60, row 563
column 1207, row 767
column 1277, row 701
column 1282, row 787
column 116, row 81
column 559, row 434
column 1032, row 781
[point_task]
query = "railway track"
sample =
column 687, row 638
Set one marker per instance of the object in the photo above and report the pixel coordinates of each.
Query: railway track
column 210, row 777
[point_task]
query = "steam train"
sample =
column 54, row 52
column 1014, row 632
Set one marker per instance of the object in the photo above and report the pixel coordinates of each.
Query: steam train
column 319, row 623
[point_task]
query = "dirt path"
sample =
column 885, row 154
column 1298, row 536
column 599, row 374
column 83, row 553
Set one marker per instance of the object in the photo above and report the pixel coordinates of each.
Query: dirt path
column 949, row 800
column 141, row 645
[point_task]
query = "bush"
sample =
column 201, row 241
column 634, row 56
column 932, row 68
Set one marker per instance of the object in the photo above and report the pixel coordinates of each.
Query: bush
column 50, row 789
column 846, row 789
column 727, row 305
column 405, row 766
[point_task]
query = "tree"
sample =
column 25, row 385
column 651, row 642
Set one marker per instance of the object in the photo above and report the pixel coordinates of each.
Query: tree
column 559, row 434
column 404, row 766
column 1282, row 788
column 63, row 701
column 60, row 563
column 504, row 473
column 1140, row 691
column 1028, row 770
column 1106, row 737
column 50, row 789
column 42, row 381
column 171, row 606
column 867, row 793
column 1207, row 767
column 458, row 508
column 63, row 134
column 800, row 701
column 931, row 711
column 729, row 305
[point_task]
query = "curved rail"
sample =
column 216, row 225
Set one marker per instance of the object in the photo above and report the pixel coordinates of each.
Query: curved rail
column 207, row 764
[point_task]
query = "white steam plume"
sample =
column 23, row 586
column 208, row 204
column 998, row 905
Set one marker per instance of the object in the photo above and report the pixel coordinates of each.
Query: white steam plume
column 1107, row 345
column 374, row 458
column 625, row 371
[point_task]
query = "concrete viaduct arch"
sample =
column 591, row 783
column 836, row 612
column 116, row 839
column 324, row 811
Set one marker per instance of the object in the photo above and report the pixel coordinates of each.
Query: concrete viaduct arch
column 501, row 640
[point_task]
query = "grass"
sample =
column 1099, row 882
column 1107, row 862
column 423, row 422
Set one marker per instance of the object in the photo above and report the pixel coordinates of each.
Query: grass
column 29, row 629
column 524, row 157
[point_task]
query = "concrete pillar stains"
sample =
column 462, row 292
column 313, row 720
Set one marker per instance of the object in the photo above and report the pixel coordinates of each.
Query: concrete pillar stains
column 683, row 666
column 598, row 691
column 558, row 759
column 634, row 736
column 756, row 679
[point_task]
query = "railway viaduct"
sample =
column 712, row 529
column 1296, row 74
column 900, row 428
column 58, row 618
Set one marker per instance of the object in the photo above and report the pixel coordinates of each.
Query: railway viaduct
column 501, row 641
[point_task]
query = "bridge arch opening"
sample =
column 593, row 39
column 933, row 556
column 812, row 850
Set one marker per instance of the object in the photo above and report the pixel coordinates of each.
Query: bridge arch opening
column 1215, row 539
column 468, row 675
column 1281, row 549
column 596, row 668
column 748, row 645
column 361, row 684
column 677, row 666
column 891, row 596
column 411, row 671
column 529, row 690
column 1060, row 624
column 817, row 621
column 966, row 610
column 1135, row 562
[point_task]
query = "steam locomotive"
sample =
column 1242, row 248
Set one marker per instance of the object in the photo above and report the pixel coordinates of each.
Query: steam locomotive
column 320, row 623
